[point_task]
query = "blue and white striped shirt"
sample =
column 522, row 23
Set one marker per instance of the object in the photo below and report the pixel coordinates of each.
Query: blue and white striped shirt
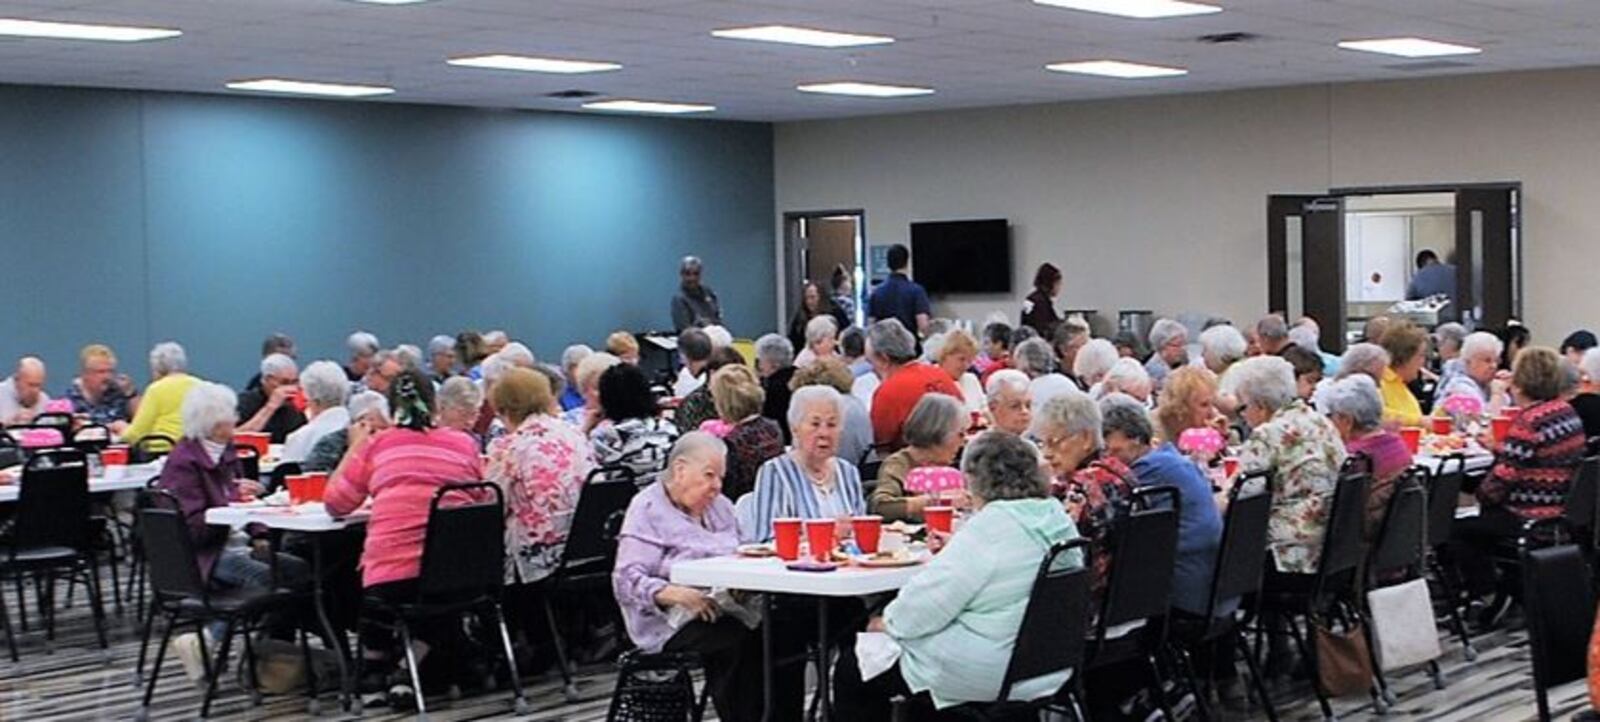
column 783, row 490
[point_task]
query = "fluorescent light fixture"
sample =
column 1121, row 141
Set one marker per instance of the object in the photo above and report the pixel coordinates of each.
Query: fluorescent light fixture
column 530, row 64
column 79, row 31
column 1141, row 9
column 801, row 36
column 1409, row 47
column 1117, row 69
column 623, row 105
column 306, row 87
column 864, row 90
column 391, row 2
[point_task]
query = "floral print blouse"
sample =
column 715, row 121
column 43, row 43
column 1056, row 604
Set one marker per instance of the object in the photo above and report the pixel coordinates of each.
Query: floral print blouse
column 1097, row 496
column 1303, row 451
column 541, row 468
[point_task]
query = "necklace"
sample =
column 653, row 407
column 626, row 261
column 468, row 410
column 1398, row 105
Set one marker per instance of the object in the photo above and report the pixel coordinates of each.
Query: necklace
column 818, row 478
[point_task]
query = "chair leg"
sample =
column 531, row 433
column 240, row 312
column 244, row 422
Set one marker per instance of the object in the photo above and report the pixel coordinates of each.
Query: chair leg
column 22, row 601
column 144, row 642
column 248, row 661
column 520, row 703
column 214, row 669
column 5, row 620
column 312, row 685
column 155, row 672
column 1255, row 677
column 1453, row 598
column 45, row 590
column 96, row 604
column 416, row 672
column 568, row 688
column 1544, row 701
column 1304, row 645
column 1157, row 688
column 116, row 584
column 1185, row 665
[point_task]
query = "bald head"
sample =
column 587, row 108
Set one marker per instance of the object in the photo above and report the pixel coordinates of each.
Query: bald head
column 29, row 379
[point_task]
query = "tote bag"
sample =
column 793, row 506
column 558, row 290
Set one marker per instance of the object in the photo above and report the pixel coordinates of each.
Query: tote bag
column 1403, row 628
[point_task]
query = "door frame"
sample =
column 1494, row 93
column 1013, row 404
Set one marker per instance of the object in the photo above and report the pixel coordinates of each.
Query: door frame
column 793, row 246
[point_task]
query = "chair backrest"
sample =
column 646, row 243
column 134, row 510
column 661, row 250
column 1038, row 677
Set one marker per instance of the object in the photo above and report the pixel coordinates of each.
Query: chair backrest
column 596, row 521
column 1341, row 541
column 1159, row 496
column 151, row 447
column 92, row 437
column 1560, row 606
column 1403, row 535
column 1056, row 620
column 168, row 550
column 464, row 551
column 1583, row 495
column 1444, row 491
column 1140, row 584
column 247, row 463
column 54, row 420
column 53, row 502
column 1243, row 552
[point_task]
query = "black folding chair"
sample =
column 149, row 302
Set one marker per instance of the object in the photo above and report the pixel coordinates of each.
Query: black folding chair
column 54, row 420
column 1560, row 603
column 181, row 593
column 91, row 438
column 1237, row 574
column 52, row 534
column 1397, row 556
column 149, row 448
column 463, row 570
column 1052, row 638
column 657, row 688
column 590, row 552
column 280, row 473
column 247, row 463
column 1444, row 491
column 1139, row 590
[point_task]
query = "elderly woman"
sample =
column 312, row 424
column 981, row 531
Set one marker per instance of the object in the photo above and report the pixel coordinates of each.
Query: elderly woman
column 1009, row 401
column 624, row 346
column 905, row 380
column 1126, row 376
column 855, row 440
column 698, row 407
column 1300, row 447
column 1221, row 347
column 99, row 394
column 633, row 435
column 809, row 482
column 821, row 341
column 571, row 356
column 160, row 410
column 1407, row 346
column 752, row 439
column 775, row 366
column 1307, row 369
column 485, row 424
column 541, row 465
column 956, row 621
column 1096, row 488
column 1476, row 374
column 199, row 474
column 954, row 352
column 368, row 407
column 459, row 403
column 399, row 469
column 1356, row 409
column 1034, row 358
column 1540, row 453
column 681, row 518
column 934, row 435
column 1092, row 363
column 1448, row 339
column 1189, row 401
column 271, row 408
column 1169, row 349
column 326, row 389
column 1069, row 337
column 587, row 379
column 1367, row 359
column 441, row 358
column 1587, row 402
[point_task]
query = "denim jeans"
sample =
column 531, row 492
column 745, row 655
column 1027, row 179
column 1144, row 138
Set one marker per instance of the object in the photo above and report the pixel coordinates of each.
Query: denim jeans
column 239, row 569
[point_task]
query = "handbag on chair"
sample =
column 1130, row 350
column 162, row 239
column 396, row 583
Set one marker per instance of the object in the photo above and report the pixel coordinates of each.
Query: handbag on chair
column 1343, row 664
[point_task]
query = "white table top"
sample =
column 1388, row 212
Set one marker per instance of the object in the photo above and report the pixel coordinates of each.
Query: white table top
column 311, row 517
column 769, row 575
column 131, row 478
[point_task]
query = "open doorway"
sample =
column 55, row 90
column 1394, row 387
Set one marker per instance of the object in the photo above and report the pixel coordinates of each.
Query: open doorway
column 827, row 248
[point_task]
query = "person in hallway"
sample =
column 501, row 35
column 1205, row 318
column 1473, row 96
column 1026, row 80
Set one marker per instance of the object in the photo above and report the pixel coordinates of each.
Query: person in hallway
column 1434, row 278
column 271, row 408
column 1169, row 350
column 1038, row 309
column 160, row 410
column 844, row 294
column 441, row 358
column 362, row 347
column 22, row 396
column 812, row 305
column 100, row 394
column 695, row 304
column 905, row 380
column 274, row 343
column 899, row 297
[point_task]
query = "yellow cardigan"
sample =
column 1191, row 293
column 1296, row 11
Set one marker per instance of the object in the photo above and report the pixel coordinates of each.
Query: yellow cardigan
column 160, row 411
column 1399, row 405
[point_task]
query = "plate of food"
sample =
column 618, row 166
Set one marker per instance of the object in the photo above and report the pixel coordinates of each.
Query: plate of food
column 756, row 550
column 897, row 558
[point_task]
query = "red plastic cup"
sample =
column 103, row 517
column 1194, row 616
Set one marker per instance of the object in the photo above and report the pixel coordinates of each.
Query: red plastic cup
column 299, row 488
column 298, row 399
column 257, row 440
column 316, row 486
column 1412, row 436
column 819, row 534
column 1510, row 412
column 1501, row 426
column 1230, row 467
column 786, row 538
column 1443, row 425
column 868, row 530
column 114, row 455
column 939, row 518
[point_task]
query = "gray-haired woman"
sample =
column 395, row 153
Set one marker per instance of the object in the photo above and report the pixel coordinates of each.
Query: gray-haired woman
column 1096, row 488
column 1356, row 409
column 809, row 482
column 325, row 390
column 892, row 352
column 775, row 366
column 934, row 434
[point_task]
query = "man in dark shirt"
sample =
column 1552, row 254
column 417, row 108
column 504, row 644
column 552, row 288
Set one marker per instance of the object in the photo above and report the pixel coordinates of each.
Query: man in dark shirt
column 899, row 297
column 695, row 305
column 272, row 407
column 1434, row 278
column 276, row 343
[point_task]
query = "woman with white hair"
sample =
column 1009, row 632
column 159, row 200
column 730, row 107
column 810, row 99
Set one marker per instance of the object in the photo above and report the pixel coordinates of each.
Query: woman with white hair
column 904, row 381
column 458, row 404
column 587, row 379
column 362, row 347
column 1035, row 358
column 1169, row 349
column 369, row 408
column 775, row 366
column 1476, row 374
column 1221, row 347
column 1094, row 360
column 821, row 341
column 274, row 408
column 1009, row 401
column 441, row 358
column 1126, row 376
column 571, row 356
column 1356, row 409
column 934, row 435
column 810, row 481
column 1096, row 488
column 1587, row 402
column 1300, row 448
column 325, row 389
column 160, row 409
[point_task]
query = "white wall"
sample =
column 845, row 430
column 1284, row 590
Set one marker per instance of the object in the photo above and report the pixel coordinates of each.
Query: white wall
column 1161, row 202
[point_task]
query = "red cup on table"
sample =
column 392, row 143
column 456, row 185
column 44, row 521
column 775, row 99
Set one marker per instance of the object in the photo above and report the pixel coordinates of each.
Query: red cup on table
column 114, row 455
column 1511, row 412
column 939, row 518
column 786, row 538
column 1501, row 425
column 316, row 486
column 1443, row 425
column 258, row 440
column 299, row 486
column 1230, row 467
column 1412, row 437
column 868, row 530
column 819, row 534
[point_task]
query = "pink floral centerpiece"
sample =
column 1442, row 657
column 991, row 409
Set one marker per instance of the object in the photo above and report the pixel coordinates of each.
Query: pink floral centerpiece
column 1202, row 444
column 1465, row 410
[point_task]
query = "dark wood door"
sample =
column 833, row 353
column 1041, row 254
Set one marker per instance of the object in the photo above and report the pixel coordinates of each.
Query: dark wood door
column 1488, row 256
column 1305, row 262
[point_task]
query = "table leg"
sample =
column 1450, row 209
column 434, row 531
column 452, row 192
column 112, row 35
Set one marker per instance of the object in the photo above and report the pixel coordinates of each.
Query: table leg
column 766, row 657
column 346, row 686
column 824, row 687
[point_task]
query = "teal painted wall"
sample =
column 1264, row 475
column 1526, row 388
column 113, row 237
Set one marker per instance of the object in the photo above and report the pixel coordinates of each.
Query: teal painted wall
column 130, row 218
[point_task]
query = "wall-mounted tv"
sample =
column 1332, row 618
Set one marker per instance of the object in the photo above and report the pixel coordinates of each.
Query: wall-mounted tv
column 962, row 256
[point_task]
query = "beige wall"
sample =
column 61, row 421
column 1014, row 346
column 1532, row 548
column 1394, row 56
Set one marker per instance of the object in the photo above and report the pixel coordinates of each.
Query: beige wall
column 1160, row 202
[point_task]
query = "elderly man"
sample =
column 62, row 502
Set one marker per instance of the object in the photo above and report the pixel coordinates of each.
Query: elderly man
column 383, row 367
column 274, row 343
column 694, row 345
column 1009, row 402
column 441, row 358
column 22, row 396
column 1307, row 333
column 695, row 304
column 1169, row 349
column 892, row 352
column 1272, row 334
column 363, row 346
column 273, row 407
column 100, row 394
column 1478, row 375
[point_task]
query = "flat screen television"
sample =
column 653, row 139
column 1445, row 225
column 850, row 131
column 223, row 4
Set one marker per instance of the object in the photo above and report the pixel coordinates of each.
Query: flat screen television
column 962, row 256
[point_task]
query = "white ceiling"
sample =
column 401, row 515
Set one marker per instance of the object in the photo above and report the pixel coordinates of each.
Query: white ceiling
column 974, row 52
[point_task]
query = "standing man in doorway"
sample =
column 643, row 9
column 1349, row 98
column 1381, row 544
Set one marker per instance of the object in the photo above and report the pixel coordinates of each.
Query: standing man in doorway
column 1434, row 277
column 695, row 305
column 899, row 297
